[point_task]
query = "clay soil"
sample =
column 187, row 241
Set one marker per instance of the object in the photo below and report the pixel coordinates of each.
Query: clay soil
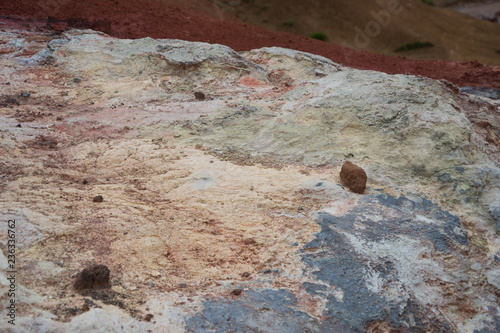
column 149, row 18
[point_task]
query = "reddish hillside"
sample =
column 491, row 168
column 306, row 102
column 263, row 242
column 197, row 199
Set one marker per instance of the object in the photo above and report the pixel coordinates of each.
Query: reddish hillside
column 381, row 26
column 133, row 19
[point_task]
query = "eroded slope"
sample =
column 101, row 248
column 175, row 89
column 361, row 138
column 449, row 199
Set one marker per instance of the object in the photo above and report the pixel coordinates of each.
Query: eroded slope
column 240, row 190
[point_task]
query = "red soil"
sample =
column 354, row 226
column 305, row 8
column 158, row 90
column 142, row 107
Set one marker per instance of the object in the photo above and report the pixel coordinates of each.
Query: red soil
column 150, row 18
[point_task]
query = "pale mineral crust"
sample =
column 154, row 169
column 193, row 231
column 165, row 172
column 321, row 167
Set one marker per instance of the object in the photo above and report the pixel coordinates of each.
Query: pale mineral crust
column 228, row 213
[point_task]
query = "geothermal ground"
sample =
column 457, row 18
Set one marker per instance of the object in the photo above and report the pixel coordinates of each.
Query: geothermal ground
column 221, row 205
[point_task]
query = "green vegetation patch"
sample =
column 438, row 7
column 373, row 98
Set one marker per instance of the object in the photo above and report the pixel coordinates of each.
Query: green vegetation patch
column 413, row 46
column 319, row 35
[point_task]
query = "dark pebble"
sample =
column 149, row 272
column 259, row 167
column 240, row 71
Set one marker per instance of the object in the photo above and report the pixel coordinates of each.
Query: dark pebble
column 245, row 275
column 18, row 125
column 85, row 182
column 99, row 198
column 199, row 95
column 148, row 317
column 93, row 277
column 236, row 292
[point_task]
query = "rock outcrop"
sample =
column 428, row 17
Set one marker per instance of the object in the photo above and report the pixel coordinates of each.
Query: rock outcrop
column 226, row 213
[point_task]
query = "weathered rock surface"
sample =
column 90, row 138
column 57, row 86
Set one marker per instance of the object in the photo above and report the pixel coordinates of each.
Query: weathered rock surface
column 241, row 191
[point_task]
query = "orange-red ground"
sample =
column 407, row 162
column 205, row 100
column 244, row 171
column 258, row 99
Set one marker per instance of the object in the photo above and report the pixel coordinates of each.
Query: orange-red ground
column 150, row 18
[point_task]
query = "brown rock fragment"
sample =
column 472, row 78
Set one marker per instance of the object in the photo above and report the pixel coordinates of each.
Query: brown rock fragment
column 353, row 177
column 199, row 96
column 237, row 292
column 92, row 277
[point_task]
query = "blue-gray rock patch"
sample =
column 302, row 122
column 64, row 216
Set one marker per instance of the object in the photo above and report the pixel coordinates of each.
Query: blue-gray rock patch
column 336, row 265
column 254, row 311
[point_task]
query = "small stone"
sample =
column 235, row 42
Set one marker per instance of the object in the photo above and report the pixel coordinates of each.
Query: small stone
column 476, row 266
column 251, row 188
column 353, row 177
column 98, row 198
column 25, row 94
column 18, row 125
column 77, row 80
column 59, row 118
column 237, row 291
column 93, row 277
column 182, row 285
column 148, row 317
column 245, row 274
column 300, row 208
column 493, row 277
column 171, row 218
column 85, row 182
column 199, row 96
